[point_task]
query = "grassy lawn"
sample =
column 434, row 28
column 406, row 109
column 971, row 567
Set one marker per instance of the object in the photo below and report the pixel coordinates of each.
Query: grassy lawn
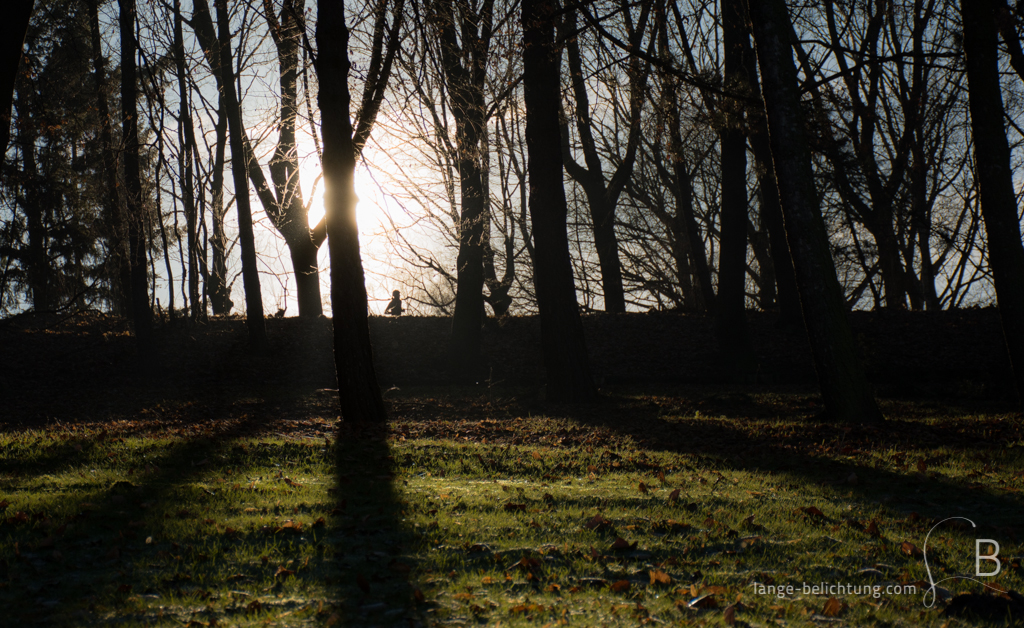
column 483, row 511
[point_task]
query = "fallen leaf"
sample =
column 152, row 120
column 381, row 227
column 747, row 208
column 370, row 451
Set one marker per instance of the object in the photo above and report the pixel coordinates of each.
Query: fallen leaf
column 515, row 507
column 730, row 615
column 659, row 577
column 812, row 511
column 643, row 488
column 597, row 523
column 673, row 496
column 283, row 572
column 622, row 544
column 621, row 586
column 910, row 549
column 832, row 607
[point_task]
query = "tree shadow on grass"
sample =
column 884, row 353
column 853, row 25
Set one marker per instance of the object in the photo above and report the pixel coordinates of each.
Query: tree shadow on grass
column 828, row 455
column 370, row 541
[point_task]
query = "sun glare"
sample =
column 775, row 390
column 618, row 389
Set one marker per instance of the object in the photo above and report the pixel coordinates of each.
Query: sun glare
column 368, row 215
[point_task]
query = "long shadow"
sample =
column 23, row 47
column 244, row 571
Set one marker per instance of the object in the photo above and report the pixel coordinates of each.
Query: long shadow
column 119, row 534
column 369, row 540
column 60, row 577
column 723, row 443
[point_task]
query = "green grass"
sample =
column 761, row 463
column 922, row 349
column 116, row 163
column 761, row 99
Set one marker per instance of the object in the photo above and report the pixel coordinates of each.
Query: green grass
column 518, row 521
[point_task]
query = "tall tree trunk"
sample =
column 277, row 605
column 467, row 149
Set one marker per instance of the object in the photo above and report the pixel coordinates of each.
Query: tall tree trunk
column 12, row 35
column 602, row 196
column 844, row 387
column 678, row 179
column 36, row 257
column 733, row 334
column 771, row 210
column 565, row 351
column 995, row 176
column 142, row 313
column 187, row 135
column 113, row 211
column 250, row 273
column 287, row 209
column 465, row 71
column 361, row 401
column 220, row 297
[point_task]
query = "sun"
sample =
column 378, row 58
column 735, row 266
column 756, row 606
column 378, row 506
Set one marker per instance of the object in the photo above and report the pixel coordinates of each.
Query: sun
column 368, row 214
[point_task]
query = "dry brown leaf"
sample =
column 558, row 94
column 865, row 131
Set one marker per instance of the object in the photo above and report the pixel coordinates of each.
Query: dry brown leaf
column 730, row 615
column 643, row 488
column 910, row 549
column 659, row 577
column 620, row 587
column 832, row 607
column 622, row 544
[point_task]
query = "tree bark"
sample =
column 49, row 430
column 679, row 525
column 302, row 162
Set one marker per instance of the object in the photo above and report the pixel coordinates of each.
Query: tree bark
column 286, row 207
column 12, row 36
column 361, row 401
column 602, row 196
column 844, row 387
column 142, row 314
column 220, row 297
column 250, row 273
column 113, row 211
column 995, row 176
column 465, row 73
column 733, row 334
column 565, row 351
column 187, row 142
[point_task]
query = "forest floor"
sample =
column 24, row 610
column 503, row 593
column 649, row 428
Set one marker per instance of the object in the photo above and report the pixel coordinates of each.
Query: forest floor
column 215, row 488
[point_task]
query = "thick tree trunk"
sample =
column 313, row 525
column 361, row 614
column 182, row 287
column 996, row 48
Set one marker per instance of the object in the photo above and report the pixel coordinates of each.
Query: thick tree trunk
column 995, row 176
column 142, row 314
column 464, row 60
column 12, row 38
column 361, row 401
column 771, row 211
column 733, row 334
column 250, row 273
column 565, row 351
column 844, row 387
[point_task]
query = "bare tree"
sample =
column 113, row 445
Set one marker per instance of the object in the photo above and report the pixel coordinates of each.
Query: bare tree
column 361, row 400
column 565, row 352
column 995, row 176
column 142, row 314
column 250, row 273
column 844, row 387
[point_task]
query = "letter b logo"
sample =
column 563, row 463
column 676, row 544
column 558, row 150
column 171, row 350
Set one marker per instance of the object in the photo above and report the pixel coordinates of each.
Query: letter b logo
column 978, row 557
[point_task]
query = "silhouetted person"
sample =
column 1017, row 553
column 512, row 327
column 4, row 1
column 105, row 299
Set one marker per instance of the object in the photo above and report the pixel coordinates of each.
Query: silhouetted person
column 394, row 308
